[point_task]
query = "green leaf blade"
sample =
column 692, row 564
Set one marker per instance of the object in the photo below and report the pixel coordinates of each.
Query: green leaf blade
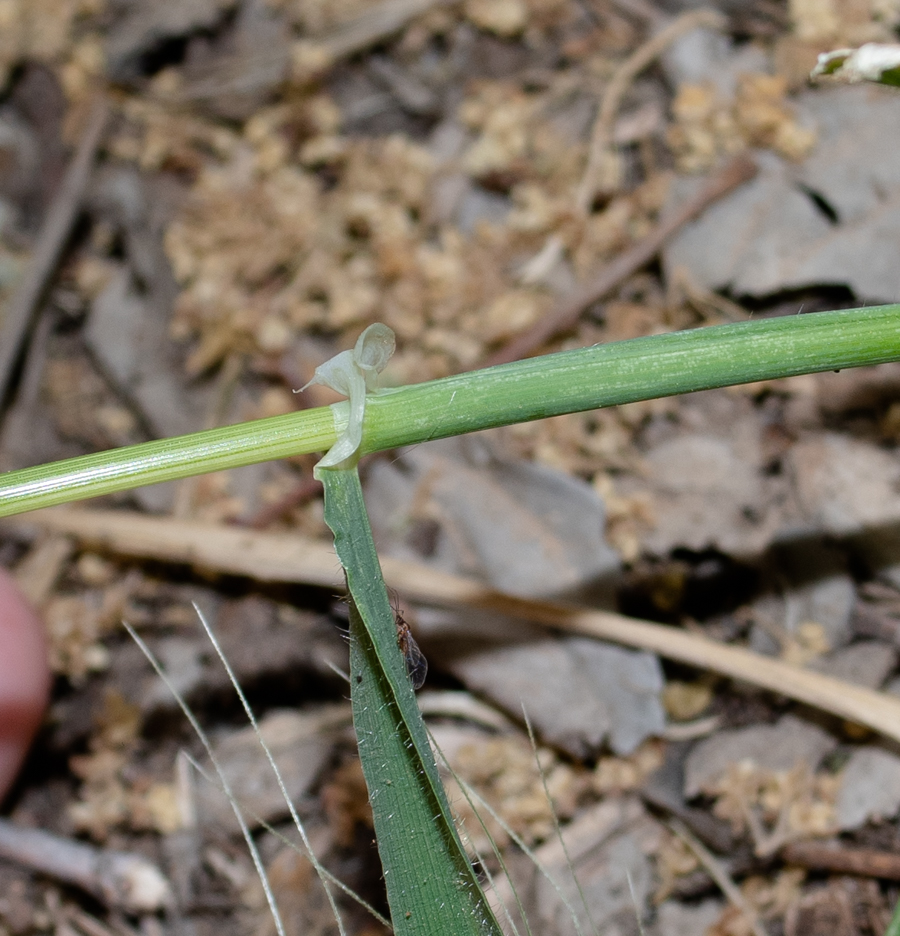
column 431, row 885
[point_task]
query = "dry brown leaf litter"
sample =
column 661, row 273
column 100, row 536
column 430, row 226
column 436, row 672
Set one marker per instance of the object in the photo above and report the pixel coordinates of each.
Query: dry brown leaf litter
column 708, row 126
column 674, row 861
column 769, row 898
column 77, row 624
column 776, row 807
column 686, row 700
column 529, row 19
column 507, row 774
column 264, row 251
column 624, row 774
column 113, row 795
column 46, row 31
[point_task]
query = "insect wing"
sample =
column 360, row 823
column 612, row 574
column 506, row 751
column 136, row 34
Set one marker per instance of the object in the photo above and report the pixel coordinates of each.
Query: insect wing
column 416, row 664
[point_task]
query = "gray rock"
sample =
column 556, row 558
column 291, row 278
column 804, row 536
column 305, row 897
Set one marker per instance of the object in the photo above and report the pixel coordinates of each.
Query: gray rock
column 609, row 848
column 478, row 205
column 707, row 491
column 809, row 582
column 851, row 488
column 301, row 744
column 523, row 528
column 145, row 25
column 771, row 234
column 577, row 693
column 870, row 788
column 769, row 747
column 867, row 663
column 706, row 56
column 845, row 484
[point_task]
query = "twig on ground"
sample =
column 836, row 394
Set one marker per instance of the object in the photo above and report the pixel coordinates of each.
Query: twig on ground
column 120, row 879
column 38, row 573
column 602, row 171
column 766, row 842
column 566, row 314
column 414, row 96
column 718, row 873
column 833, row 904
column 602, row 133
column 690, row 731
column 90, row 925
column 352, row 37
column 640, row 10
column 861, row 862
column 18, row 318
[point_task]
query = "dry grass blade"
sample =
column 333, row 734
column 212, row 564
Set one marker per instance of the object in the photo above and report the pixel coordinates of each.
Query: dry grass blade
column 204, row 739
column 248, row 711
column 290, row 558
column 720, row 876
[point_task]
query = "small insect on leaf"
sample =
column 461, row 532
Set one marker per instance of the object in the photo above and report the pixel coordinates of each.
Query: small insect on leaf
column 416, row 664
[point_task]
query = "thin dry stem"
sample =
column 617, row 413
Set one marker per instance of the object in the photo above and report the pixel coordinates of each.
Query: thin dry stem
column 120, row 879
column 601, row 171
column 292, row 558
column 717, row 872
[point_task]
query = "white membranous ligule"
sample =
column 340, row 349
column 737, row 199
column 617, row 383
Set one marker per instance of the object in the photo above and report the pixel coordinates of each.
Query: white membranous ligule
column 354, row 374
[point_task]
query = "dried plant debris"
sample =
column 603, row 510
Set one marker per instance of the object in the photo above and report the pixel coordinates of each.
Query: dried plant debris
column 770, row 747
column 747, row 773
column 55, row 32
column 107, row 800
column 708, row 126
column 845, row 905
column 122, row 880
column 807, row 603
column 310, row 257
column 514, row 780
column 76, row 626
column 610, row 847
column 678, row 919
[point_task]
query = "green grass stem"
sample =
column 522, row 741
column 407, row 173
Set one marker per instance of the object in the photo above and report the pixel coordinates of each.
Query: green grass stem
column 566, row 382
